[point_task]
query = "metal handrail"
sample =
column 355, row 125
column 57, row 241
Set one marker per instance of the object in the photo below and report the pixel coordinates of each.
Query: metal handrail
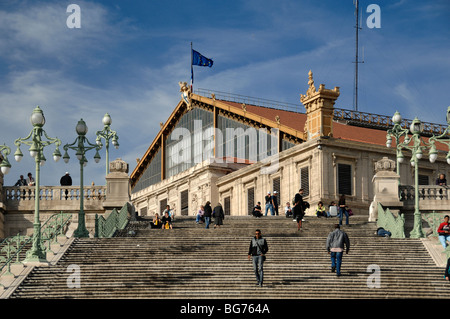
column 117, row 220
column 50, row 230
column 394, row 224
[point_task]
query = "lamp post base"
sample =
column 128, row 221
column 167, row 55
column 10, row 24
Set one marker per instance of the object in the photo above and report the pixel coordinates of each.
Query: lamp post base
column 36, row 254
column 417, row 231
column 36, row 257
column 81, row 233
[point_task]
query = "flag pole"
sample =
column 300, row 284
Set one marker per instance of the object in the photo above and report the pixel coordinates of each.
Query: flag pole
column 192, row 71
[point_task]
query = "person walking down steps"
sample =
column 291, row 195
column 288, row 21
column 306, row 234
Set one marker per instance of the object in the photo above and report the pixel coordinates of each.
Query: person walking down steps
column 257, row 251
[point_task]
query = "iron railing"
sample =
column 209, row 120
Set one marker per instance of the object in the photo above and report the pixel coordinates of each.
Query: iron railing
column 394, row 224
column 383, row 122
column 237, row 98
column 356, row 118
column 107, row 227
column 12, row 248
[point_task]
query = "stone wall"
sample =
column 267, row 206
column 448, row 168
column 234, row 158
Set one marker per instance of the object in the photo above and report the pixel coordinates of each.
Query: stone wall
column 200, row 181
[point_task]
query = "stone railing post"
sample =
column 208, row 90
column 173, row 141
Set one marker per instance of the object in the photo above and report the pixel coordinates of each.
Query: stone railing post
column 118, row 190
column 386, row 190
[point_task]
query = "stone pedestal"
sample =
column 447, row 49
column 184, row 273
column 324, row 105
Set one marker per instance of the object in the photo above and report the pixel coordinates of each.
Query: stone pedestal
column 385, row 182
column 118, row 191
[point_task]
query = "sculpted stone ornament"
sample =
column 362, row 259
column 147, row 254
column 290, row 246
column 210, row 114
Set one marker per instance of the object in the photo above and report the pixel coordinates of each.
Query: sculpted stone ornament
column 185, row 93
column 385, row 164
column 277, row 119
column 312, row 89
column 321, row 93
column 119, row 166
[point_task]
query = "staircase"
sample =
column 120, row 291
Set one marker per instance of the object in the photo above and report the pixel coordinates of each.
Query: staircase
column 190, row 261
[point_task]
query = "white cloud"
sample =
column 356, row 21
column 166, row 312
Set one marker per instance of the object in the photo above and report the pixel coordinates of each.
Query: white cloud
column 37, row 31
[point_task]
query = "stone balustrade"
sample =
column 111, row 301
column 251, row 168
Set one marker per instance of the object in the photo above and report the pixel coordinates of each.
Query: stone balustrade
column 431, row 197
column 17, row 203
column 58, row 197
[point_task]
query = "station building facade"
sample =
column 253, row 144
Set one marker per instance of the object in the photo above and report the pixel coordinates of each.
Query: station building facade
column 233, row 151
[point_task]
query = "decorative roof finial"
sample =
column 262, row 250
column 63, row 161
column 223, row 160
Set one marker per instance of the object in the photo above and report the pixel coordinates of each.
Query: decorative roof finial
column 312, row 88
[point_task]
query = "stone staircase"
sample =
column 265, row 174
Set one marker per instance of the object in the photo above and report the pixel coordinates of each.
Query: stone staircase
column 190, row 261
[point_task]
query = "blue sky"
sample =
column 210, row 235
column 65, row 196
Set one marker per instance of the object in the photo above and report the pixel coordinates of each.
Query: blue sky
column 128, row 57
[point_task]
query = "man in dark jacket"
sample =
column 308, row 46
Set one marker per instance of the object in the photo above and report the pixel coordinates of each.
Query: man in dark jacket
column 275, row 202
column 21, row 181
column 257, row 210
column 298, row 209
column 207, row 214
column 257, row 250
column 336, row 242
column 218, row 215
column 66, row 180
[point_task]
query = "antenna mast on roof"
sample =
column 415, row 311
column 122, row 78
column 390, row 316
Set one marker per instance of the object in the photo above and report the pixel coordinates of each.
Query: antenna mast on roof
column 357, row 27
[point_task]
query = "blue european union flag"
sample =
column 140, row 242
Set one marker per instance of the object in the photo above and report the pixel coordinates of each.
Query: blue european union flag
column 198, row 59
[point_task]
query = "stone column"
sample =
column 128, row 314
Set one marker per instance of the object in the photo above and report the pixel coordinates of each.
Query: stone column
column 118, row 189
column 385, row 188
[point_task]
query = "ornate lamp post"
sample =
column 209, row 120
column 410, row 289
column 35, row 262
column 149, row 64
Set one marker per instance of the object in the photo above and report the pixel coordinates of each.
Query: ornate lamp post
column 396, row 132
column 5, row 165
column 37, row 144
column 107, row 134
column 417, row 150
column 79, row 146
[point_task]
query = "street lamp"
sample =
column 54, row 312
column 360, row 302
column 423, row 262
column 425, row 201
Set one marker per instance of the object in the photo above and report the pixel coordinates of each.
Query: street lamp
column 37, row 145
column 397, row 132
column 79, row 146
column 5, row 165
column 444, row 138
column 417, row 150
column 107, row 134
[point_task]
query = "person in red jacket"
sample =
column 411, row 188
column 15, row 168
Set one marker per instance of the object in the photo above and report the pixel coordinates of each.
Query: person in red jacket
column 444, row 231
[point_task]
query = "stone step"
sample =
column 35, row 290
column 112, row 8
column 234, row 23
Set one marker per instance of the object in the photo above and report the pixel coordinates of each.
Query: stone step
column 192, row 262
